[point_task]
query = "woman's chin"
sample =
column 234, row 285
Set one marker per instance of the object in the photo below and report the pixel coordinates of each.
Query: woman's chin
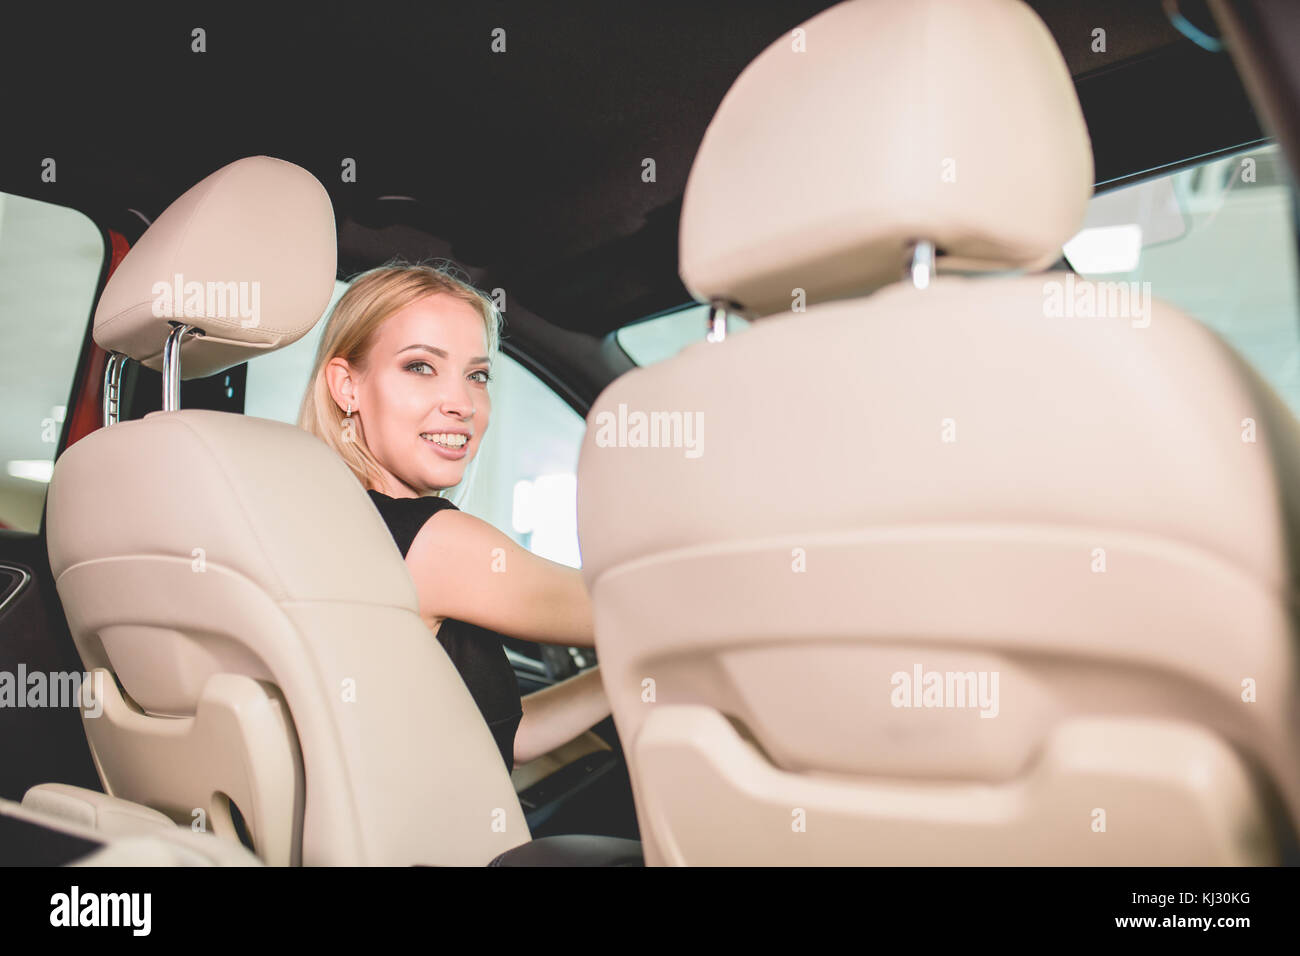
column 446, row 480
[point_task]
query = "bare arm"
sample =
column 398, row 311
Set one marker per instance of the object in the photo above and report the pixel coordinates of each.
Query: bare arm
column 468, row 570
column 557, row 714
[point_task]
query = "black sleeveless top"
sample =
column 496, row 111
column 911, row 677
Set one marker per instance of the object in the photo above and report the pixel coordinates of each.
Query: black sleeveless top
column 477, row 652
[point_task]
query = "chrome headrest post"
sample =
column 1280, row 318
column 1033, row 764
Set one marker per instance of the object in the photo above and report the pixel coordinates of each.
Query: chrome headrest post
column 922, row 266
column 718, row 309
column 113, row 386
column 172, row 364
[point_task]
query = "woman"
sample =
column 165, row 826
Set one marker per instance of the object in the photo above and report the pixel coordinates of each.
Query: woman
column 400, row 391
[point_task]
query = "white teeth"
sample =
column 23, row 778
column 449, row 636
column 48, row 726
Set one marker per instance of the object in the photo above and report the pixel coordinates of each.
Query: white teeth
column 447, row 440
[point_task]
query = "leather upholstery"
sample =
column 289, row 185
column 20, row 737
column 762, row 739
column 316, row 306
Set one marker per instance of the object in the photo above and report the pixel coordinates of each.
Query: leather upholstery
column 259, row 228
column 1070, row 435
column 189, row 545
column 1094, row 516
column 949, row 120
column 39, row 832
column 230, row 562
column 257, row 632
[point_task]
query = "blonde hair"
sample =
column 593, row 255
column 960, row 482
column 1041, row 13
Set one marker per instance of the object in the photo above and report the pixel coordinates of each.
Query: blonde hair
column 370, row 300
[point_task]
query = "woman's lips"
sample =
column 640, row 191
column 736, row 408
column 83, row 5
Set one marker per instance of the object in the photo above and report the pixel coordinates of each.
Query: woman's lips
column 451, row 454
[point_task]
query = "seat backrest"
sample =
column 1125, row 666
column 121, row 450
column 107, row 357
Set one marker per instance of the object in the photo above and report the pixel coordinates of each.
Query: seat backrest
column 948, row 575
column 258, row 634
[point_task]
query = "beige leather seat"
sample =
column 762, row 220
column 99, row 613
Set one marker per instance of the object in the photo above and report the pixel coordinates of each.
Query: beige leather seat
column 951, row 580
column 257, row 629
column 63, row 825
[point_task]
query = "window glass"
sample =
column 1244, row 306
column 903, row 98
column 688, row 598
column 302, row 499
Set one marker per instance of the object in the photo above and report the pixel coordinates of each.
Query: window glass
column 277, row 381
column 523, row 479
column 663, row 336
column 1218, row 240
column 50, row 259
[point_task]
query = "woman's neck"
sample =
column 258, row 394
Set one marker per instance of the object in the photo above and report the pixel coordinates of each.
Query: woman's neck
column 393, row 488
column 390, row 486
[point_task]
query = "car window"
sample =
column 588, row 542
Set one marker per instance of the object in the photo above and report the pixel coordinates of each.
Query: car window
column 277, row 381
column 662, row 336
column 50, row 260
column 1218, row 240
column 524, row 478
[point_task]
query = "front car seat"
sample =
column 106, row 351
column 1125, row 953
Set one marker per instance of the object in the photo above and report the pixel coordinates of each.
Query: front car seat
column 263, row 663
column 949, row 577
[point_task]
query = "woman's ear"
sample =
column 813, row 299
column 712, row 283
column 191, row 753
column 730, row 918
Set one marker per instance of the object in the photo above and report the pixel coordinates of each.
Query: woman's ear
column 341, row 382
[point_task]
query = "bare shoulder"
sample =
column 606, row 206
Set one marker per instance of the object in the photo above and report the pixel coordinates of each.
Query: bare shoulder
column 455, row 562
column 451, row 531
column 466, row 569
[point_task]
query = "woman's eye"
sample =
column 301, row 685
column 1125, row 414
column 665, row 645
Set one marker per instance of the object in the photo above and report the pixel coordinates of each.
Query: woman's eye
column 416, row 366
column 487, row 376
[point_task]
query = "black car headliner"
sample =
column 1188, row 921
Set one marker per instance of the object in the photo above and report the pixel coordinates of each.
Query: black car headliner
column 524, row 166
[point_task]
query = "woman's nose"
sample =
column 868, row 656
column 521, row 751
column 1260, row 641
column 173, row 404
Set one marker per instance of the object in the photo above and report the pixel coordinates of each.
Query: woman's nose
column 458, row 402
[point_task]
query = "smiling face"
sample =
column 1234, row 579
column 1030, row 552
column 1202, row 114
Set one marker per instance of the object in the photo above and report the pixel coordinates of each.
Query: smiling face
column 421, row 401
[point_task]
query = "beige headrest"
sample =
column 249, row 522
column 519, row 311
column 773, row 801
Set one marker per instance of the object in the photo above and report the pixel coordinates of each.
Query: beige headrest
column 248, row 255
column 876, row 124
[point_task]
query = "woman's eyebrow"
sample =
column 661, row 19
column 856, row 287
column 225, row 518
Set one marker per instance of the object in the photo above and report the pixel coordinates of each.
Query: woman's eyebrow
column 476, row 360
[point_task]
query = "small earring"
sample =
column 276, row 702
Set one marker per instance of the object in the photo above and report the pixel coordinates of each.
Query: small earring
column 349, row 414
